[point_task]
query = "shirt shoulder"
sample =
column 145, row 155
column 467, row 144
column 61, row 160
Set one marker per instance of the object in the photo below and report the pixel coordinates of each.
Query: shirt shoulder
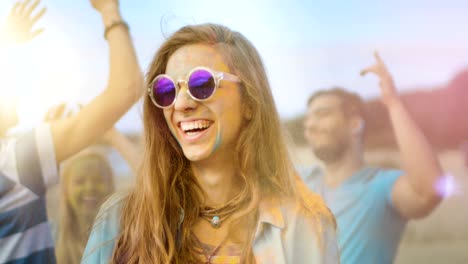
column 312, row 176
column 29, row 159
column 384, row 181
column 27, row 167
column 311, row 227
column 105, row 230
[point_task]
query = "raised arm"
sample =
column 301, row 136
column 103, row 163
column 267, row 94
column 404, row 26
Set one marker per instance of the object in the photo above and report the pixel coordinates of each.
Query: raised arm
column 125, row 86
column 414, row 194
column 125, row 147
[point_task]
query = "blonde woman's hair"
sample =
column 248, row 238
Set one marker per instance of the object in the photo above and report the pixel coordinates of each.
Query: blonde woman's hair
column 166, row 184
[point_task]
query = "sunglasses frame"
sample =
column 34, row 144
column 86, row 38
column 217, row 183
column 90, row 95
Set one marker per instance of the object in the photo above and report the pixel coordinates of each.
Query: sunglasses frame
column 217, row 76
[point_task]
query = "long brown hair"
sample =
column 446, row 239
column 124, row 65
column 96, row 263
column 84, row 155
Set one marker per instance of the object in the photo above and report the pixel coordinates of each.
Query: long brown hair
column 70, row 243
column 166, row 184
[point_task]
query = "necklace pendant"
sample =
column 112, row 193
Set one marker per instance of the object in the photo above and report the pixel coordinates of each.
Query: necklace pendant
column 215, row 221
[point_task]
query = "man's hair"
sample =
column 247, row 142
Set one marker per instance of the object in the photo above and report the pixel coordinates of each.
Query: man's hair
column 351, row 103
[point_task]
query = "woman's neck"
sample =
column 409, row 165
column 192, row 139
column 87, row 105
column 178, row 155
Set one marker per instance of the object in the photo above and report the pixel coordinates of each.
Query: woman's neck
column 219, row 179
column 84, row 224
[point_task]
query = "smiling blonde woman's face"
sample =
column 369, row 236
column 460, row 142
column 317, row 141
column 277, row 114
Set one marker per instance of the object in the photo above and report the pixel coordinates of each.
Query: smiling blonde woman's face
column 88, row 183
column 206, row 128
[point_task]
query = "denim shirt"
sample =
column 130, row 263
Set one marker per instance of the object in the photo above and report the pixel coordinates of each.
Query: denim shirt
column 284, row 235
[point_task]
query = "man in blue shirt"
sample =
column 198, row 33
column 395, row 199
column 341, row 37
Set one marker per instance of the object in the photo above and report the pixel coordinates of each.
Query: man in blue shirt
column 371, row 205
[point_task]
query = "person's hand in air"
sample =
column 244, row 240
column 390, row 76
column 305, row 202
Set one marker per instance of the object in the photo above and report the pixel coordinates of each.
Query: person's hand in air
column 20, row 24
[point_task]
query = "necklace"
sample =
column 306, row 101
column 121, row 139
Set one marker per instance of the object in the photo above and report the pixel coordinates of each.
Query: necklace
column 215, row 221
column 215, row 216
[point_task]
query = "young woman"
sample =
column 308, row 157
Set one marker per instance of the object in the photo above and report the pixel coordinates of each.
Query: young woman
column 87, row 181
column 216, row 184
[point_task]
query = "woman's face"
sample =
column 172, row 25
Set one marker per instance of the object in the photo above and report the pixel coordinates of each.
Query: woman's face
column 88, row 184
column 208, row 128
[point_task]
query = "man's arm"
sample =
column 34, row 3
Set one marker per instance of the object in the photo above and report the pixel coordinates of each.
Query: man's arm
column 112, row 137
column 414, row 194
column 125, row 87
column 125, row 147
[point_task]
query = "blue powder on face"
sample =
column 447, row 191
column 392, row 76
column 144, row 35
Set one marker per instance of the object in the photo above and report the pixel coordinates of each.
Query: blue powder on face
column 218, row 140
column 174, row 134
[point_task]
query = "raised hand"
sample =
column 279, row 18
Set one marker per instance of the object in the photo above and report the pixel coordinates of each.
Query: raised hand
column 62, row 111
column 20, row 22
column 102, row 5
column 387, row 86
column 55, row 113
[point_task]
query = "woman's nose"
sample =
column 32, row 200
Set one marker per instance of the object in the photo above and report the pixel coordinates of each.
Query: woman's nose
column 184, row 102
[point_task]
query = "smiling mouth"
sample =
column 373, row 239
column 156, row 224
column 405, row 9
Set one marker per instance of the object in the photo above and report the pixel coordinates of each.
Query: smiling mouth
column 193, row 128
column 89, row 198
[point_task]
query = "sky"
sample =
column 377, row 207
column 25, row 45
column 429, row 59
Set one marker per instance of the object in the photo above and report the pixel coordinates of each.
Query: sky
column 305, row 45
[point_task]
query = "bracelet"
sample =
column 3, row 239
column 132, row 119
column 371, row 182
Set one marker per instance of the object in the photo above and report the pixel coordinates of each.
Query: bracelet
column 114, row 25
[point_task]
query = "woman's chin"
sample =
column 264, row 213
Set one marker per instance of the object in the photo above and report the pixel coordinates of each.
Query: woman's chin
column 197, row 154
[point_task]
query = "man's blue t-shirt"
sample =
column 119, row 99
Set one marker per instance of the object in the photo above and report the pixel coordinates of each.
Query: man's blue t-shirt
column 369, row 227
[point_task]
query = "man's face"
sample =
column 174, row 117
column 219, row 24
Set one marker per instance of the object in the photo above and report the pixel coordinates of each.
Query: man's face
column 326, row 128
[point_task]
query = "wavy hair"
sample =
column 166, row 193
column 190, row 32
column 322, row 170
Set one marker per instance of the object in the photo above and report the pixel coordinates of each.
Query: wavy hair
column 166, row 184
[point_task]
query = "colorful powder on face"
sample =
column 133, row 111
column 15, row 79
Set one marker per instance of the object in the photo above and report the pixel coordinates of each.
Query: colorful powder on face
column 173, row 132
column 218, row 139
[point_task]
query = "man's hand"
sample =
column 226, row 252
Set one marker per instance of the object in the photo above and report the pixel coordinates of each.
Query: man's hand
column 387, row 86
column 56, row 113
column 61, row 111
column 414, row 194
column 20, row 22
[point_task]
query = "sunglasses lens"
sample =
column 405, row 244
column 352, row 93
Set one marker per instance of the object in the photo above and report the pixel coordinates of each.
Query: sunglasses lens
column 164, row 91
column 201, row 84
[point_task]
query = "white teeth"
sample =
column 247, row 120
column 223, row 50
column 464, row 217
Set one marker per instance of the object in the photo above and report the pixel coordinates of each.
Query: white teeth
column 199, row 124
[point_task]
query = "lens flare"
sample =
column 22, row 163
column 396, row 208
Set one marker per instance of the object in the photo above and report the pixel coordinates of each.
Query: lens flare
column 447, row 186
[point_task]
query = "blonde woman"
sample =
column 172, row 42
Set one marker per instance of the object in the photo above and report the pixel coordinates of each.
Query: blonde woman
column 87, row 181
column 216, row 184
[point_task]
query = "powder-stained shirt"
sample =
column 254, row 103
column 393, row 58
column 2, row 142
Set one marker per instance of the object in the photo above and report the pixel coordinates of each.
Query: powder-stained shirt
column 285, row 234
